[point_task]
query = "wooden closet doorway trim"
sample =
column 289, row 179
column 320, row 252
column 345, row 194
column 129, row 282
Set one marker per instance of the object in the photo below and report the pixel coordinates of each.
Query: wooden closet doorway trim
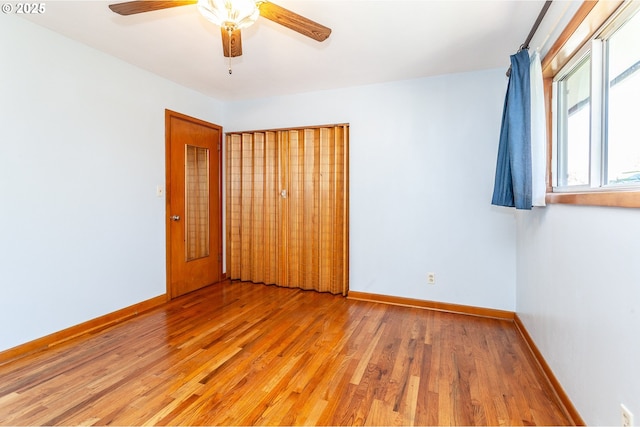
column 193, row 203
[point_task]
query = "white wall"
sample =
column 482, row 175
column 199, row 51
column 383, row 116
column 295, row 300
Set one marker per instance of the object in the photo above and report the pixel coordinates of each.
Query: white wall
column 82, row 232
column 578, row 295
column 423, row 156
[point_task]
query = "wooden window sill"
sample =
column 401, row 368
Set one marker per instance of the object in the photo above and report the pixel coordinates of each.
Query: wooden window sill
column 623, row 199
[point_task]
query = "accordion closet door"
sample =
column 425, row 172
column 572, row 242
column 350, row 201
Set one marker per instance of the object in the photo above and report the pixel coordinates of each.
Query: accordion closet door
column 287, row 214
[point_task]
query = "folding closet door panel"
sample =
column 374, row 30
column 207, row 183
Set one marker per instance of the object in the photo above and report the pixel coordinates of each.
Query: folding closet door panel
column 253, row 207
column 233, row 211
column 292, row 187
column 246, row 203
column 287, row 207
column 284, row 260
column 271, row 212
column 317, row 214
column 311, row 210
column 333, row 234
column 254, row 268
column 301, row 182
column 341, row 213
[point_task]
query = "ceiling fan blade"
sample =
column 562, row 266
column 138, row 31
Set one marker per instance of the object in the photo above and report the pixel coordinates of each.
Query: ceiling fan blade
column 293, row 21
column 235, row 45
column 133, row 7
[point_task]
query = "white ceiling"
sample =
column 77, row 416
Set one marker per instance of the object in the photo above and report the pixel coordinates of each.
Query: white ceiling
column 371, row 42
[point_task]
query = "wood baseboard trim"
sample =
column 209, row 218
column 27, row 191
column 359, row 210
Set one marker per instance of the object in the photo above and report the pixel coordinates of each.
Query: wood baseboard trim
column 84, row 328
column 562, row 396
column 432, row 305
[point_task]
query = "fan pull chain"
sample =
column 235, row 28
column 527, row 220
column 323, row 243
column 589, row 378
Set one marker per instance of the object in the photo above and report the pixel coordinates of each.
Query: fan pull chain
column 230, row 32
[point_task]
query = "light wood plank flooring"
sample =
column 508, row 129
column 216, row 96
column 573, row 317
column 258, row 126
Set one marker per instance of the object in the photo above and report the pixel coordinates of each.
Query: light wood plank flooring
column 246, row 354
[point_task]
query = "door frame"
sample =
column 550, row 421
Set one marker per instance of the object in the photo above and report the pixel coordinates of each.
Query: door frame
column 173, row 114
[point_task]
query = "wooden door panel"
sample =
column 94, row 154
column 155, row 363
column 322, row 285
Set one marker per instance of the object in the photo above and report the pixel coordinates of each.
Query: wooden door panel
column 194, row 208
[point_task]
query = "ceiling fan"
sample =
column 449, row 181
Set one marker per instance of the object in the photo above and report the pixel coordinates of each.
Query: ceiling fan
column 232, row 16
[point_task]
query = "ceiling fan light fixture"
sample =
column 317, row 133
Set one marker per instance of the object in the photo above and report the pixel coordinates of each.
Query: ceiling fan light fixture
column 230, row 14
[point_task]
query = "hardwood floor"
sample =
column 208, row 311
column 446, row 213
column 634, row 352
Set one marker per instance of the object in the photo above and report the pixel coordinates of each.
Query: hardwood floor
column 245, row 354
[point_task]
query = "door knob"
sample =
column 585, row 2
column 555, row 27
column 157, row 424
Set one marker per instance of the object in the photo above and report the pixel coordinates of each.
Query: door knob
column 174, row 217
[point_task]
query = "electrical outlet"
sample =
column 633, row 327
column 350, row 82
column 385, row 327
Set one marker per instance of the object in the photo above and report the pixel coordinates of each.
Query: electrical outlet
column 431, row 278
column 627, row 416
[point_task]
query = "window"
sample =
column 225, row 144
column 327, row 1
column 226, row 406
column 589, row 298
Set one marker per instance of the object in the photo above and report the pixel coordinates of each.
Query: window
column 623, row 141
column 574, row 107
column 596, row 100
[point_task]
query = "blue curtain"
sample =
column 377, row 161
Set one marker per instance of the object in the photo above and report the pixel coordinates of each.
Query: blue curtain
column 513, row 170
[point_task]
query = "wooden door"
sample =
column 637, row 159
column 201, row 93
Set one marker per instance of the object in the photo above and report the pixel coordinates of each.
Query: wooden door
column 194, row 203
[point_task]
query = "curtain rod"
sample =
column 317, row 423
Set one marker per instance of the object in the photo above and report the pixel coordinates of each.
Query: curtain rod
column 525, row 45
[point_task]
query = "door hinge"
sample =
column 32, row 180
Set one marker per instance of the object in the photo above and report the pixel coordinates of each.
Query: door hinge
column 218, row 146
column 219, row 257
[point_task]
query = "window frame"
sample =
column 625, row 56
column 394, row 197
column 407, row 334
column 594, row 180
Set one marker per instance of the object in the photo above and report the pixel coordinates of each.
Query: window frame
column 589, row 20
